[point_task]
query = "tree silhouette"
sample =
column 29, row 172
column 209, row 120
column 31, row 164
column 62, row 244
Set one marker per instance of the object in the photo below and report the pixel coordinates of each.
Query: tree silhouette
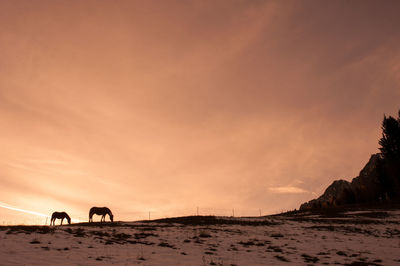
column 390, row 150
column 390, row 141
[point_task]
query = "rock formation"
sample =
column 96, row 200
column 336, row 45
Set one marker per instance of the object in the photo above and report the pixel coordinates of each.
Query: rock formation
column 369, row 186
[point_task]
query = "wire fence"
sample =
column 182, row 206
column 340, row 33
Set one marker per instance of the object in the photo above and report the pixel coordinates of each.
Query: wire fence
column 148, row 215
column 159, row 214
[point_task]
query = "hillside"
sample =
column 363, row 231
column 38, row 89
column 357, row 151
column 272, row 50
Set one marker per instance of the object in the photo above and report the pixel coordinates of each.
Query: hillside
column 346, row 237
column 367, row 187
column 378, row 181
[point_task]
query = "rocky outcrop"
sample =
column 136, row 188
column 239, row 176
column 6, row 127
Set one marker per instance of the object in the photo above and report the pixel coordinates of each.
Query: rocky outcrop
column 334, row 195
column 367, row 187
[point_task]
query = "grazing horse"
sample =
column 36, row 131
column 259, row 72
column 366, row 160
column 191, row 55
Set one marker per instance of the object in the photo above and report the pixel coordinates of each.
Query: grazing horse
column 103, row 211
column 59, row 215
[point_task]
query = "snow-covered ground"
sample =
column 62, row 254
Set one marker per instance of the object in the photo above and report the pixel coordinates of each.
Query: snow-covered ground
column 369, row 237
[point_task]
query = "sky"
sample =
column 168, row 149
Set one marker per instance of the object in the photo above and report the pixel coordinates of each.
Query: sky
column 241, row 107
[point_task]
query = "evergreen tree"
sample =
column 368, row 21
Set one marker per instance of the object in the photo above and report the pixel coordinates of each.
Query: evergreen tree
column 390, row 141
column 390, row 149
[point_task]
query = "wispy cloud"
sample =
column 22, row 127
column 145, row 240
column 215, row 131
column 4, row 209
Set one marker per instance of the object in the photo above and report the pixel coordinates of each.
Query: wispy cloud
column 287, row 190
column 6, row 206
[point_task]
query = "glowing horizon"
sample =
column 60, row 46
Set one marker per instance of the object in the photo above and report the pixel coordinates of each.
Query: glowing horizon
column 7, row 206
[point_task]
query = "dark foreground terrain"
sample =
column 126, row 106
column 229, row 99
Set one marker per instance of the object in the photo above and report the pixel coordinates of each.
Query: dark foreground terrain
column 346, row 236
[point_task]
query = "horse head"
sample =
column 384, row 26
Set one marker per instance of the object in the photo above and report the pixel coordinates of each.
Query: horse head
column 111, row 217
column 68, row 218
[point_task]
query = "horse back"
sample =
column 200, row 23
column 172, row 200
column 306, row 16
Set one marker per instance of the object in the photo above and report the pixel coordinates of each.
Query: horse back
column 99, row 210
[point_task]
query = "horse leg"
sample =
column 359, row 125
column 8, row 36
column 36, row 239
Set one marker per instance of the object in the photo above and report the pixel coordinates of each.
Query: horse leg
column 62, row 220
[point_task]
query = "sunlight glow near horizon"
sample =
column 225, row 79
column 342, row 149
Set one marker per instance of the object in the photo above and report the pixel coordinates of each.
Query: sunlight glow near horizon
column 6, row 206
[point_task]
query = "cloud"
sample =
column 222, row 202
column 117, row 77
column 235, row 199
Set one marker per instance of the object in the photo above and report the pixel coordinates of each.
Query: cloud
column 7, row 206
column 287, row 190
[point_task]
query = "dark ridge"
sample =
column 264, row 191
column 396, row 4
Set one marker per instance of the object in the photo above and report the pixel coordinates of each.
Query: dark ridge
column 27, row 229
column 375, row 210
column 146, row 224
column 210, row 220
column 378, row 181
column 98, row 224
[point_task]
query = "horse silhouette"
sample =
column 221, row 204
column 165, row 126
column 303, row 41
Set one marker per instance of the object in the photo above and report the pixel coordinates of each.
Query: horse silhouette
column 103, row 211
column 59, row 215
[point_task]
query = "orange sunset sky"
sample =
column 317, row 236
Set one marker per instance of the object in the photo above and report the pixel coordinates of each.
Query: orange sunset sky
column 166, row 106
